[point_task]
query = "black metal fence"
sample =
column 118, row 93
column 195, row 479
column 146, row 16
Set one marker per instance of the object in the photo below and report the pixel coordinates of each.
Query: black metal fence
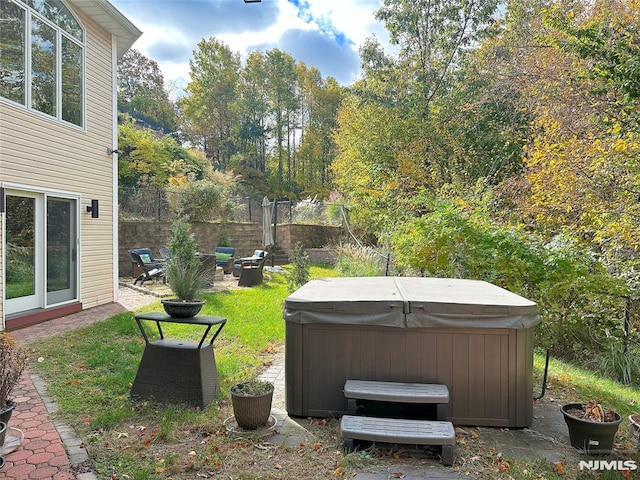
column 152, row 204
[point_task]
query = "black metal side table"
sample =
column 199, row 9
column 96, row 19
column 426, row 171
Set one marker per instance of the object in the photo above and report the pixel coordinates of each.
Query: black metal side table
column 178, row 371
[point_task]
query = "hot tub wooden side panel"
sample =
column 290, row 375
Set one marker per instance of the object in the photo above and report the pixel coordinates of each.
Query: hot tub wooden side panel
column 488, row 371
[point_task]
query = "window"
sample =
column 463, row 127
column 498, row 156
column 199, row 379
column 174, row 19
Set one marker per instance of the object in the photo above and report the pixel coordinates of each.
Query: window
column 42, row 58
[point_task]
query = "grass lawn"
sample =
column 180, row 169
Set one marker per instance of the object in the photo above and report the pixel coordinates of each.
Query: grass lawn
column 89, row 373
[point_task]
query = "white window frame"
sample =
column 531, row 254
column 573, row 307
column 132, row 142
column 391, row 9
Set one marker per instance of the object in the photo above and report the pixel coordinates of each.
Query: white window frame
column 29, row 14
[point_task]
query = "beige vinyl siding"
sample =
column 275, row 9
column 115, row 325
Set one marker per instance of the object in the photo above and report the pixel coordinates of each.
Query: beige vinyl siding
column 39, row 152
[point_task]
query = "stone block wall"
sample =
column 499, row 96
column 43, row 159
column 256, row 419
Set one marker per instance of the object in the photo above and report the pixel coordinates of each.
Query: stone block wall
column 245, row 237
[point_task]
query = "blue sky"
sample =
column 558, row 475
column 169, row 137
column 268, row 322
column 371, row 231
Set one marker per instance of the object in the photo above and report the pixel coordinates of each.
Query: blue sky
column 324, row 33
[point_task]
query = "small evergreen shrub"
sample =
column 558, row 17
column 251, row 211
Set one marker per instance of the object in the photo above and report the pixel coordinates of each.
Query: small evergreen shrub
column 299, row 274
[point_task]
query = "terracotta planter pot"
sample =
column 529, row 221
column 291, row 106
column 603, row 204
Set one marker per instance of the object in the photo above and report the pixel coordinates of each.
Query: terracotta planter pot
column 251, row 411
column 594, row 438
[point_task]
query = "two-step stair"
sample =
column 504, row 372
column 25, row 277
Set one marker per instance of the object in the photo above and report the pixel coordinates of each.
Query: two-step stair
column 397, row 430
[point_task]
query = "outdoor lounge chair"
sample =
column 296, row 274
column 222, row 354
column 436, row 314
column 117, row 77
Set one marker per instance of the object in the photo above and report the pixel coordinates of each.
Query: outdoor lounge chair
column 255, row 259
column 149, row 267
column 251, row 272
column 225, row 256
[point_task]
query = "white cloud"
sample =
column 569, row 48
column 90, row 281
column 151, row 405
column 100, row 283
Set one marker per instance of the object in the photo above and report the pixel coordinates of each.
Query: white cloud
column 322, row 33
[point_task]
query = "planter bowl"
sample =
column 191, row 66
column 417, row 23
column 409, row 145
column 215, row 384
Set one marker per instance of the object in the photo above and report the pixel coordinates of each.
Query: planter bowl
column 180, row 309
column 3, row 432
column 594, row 438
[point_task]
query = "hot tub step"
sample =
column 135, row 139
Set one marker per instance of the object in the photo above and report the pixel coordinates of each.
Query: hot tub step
column 396, row 392
column 395, row 430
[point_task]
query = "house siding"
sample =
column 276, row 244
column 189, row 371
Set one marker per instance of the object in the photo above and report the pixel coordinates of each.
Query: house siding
column 41, row 153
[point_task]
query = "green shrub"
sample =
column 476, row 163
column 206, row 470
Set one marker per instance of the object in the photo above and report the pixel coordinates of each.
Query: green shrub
column 299, row 274
column 201, row 200
column 355, row 261
column 308, row 212
column 186, row 274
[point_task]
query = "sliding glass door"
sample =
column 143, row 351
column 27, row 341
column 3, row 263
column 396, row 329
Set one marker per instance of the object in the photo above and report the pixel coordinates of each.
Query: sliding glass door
column 40, row 250
column 61, row 250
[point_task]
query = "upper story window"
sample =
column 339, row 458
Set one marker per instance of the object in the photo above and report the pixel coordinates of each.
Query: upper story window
column 42, row 58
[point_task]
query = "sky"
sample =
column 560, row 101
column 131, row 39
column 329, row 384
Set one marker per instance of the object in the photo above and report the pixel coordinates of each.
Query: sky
column 326, row 34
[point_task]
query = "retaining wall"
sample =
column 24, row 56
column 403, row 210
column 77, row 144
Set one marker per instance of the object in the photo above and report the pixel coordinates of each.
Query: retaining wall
column 245, row 237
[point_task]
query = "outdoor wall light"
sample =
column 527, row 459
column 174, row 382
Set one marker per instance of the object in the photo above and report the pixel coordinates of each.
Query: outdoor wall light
column 93, row 209
column 111, row 151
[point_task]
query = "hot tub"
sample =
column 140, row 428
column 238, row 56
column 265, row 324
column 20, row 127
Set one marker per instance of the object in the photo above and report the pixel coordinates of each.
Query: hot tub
column 470, row 335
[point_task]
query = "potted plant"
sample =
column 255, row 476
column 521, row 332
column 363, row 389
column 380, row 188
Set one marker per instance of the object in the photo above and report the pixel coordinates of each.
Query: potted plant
column 592, row 428
column 13, row 359
column 186, row 274
column 251, row 403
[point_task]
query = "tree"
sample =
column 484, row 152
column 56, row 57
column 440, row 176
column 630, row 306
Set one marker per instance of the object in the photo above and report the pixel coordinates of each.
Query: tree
column 253, row 107
column 149, row 161
column 209, row 106
column 281, row 91
column 141, row 91
column 399, row 126
column 432, row 38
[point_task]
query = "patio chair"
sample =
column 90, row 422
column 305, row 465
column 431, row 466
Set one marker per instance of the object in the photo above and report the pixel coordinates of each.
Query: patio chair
column 255, row 260
column 164, row 253
column 148, row 266
column 225, row 256
column 251, row 272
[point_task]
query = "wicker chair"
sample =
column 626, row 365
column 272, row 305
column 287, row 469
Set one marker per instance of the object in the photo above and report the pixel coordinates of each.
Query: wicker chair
column 149, row 267
column 251, row 273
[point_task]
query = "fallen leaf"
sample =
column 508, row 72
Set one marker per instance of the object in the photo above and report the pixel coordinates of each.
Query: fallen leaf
column 337, row 472
column 159, row 469
column 559, row 468
column 277, row 466
column 397, row 475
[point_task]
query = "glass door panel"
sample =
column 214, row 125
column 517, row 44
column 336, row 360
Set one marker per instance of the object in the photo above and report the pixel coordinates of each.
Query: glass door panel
column 22, row 291
column 61, row 250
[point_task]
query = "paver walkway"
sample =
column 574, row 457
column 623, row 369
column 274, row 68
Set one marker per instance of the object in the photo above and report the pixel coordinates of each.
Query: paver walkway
column 54, row 452
column 42, row 454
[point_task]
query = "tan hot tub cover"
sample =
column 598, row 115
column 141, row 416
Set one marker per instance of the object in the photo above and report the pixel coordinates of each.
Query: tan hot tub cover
column 409, row 302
